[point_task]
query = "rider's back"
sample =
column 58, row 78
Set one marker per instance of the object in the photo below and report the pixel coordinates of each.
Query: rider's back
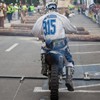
column 53, row 26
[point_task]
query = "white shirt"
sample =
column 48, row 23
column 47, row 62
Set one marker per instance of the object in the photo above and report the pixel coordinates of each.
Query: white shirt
column 53, row 26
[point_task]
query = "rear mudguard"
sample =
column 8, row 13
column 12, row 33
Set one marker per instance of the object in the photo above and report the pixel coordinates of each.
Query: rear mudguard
column 55, row 58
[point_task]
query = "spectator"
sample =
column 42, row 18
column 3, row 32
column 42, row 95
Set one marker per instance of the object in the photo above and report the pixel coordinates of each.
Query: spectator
column 1, row 16
column 9, row 13
column 24, row 9
column 79, row 10
column 4, row 9
column 31, row 9
column 16, row 11
column 12, row 10
column 38, row 9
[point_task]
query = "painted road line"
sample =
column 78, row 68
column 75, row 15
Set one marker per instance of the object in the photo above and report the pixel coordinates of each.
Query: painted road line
column 97, row 73
column 12, row 47
column 39, row 89
column 95, row 44
column 98, row 64
column 86, row 86
column 93, row 52
column 82, row 91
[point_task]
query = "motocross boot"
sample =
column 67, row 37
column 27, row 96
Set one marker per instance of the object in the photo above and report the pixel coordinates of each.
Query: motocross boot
column 68, row 80
column 44, row 65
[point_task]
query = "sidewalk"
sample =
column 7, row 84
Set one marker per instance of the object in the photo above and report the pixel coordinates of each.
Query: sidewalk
column 80, row 20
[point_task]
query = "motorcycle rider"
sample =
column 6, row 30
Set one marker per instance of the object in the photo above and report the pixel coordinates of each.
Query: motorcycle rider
column 54, row 26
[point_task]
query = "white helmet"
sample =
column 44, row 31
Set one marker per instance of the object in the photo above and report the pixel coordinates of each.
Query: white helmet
column 51, row 6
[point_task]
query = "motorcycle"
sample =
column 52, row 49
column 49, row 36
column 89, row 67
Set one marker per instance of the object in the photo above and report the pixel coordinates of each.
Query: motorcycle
column 55, row 61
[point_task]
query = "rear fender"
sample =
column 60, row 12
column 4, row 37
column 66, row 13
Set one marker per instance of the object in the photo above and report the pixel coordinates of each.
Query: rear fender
column 54, row 57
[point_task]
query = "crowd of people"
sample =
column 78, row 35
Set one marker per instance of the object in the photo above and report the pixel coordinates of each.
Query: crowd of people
column 13, row 11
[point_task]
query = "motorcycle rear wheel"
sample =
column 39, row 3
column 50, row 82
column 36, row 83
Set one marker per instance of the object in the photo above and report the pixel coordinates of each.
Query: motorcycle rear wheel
column 54, row 83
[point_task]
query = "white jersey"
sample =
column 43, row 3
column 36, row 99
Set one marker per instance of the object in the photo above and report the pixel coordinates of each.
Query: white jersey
column 53, row 26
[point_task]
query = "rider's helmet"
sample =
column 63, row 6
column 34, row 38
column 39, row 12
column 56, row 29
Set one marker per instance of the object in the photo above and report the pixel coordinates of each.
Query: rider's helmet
column 51, row 6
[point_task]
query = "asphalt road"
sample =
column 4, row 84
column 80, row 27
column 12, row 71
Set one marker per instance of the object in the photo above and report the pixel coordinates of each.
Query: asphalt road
column 20, row 56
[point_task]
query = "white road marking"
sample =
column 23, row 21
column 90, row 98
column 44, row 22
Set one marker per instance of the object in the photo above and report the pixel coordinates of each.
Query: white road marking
column 39, row 89
column 93, row 52
column 12, row 47
column 84, row 86
column 88, row 65
column 97, row 44
column 97, row 73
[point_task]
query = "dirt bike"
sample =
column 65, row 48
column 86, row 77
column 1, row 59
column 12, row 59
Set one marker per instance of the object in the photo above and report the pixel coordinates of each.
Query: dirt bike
column 55, row 60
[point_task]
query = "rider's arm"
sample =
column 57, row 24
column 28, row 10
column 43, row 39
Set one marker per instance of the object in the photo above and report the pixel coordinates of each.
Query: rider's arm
column 69, row 28
column 37, row 29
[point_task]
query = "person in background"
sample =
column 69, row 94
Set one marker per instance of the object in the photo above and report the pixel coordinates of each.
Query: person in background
column 4, row 9
column 39, row 9
column 16, row 8
column 9, row 13
column 24, row 9
column 31, row 9
column 1, row 16
column 79, row 10
column 12, row 10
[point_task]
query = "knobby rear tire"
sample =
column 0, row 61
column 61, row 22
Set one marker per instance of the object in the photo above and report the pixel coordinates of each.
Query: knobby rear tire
column 54, row 83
